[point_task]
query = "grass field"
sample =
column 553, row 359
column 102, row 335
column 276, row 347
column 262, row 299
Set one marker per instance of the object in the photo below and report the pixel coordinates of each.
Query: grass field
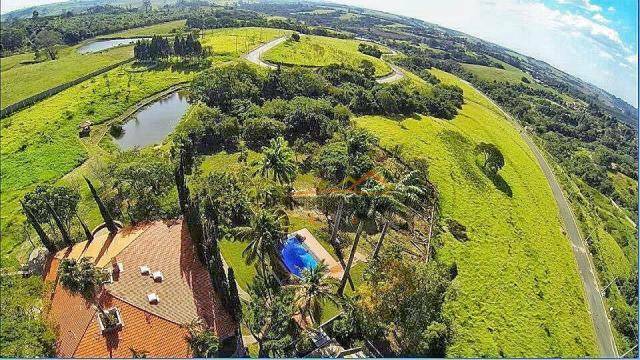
column 22, row 81
column 322, row 51
column 230, row 43
column 157, row 29
column 509, row 74
column 517, row 292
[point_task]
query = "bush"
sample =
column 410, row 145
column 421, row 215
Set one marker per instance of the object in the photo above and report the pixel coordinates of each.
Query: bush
column 258, row 132
column 370, row 50
column 295, row 37
column 458, row 230
column 116, row 130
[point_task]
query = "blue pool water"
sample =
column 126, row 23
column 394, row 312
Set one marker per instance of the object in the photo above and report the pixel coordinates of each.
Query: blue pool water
column 296, row 257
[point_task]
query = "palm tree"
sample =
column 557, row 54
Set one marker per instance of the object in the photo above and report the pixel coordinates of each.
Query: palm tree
column 277, row 161
column 372, row 198
column 265, row 233
column 314, row 290
column 404, row 196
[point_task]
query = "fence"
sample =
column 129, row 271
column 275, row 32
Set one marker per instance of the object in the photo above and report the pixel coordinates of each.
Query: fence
column 50, row 92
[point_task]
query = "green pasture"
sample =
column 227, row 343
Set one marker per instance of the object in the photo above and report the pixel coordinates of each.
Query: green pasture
column 321, row 51
column 517, row 291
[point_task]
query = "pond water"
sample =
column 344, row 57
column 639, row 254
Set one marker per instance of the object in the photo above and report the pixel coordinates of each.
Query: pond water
column 105, row 44
column 154, row 122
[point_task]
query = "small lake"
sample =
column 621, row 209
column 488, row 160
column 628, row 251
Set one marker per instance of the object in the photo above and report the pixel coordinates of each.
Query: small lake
column 153, row 123
column 101, row 45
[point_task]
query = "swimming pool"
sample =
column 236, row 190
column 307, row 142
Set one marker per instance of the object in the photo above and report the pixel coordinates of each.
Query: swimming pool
column 296, row 256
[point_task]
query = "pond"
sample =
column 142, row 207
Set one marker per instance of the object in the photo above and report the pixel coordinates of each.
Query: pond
column 101, row 45
column 153, row 123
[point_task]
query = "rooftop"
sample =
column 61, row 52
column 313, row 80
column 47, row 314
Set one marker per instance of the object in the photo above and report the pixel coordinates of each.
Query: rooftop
column 185, row 293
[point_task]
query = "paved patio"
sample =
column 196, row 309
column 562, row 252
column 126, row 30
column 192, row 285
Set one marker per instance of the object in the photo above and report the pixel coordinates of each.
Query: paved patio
column 320, row 253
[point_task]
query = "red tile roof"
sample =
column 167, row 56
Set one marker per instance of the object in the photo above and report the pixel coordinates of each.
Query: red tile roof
column 141, row 331
column 185, row 294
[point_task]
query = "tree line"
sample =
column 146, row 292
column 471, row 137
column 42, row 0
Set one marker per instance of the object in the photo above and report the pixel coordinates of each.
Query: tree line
column 160, row 48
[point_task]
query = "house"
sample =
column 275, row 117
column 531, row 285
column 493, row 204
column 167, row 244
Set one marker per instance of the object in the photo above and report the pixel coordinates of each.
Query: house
column 157, row 286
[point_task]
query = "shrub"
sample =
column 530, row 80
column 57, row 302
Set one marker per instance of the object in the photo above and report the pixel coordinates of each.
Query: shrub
column 258, row 132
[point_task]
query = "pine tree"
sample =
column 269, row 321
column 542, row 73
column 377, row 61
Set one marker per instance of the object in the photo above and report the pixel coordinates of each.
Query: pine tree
column 44, row 238
column 106, row 216
column 235, row 306
column 87, row 232
column 63, row 231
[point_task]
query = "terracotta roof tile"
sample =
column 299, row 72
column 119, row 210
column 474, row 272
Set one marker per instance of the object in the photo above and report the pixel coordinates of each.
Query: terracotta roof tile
column 141, row 331
column 185, row 293
column 70, row 315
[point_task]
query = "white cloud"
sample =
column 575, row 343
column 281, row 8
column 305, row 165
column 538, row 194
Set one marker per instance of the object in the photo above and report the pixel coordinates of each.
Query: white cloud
column 567, row 37
column 611, row 9
column 605, row 55
column 591, row 7
column 632, row 59
column 599, row 18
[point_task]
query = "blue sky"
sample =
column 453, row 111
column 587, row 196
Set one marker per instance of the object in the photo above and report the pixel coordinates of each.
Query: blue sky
column 595, row 40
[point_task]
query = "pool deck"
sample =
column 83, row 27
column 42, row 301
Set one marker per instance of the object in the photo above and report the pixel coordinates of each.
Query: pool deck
column 320, row 253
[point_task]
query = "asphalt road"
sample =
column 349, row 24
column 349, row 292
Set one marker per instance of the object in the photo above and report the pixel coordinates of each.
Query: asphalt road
column 255, row 55
column 597, row 310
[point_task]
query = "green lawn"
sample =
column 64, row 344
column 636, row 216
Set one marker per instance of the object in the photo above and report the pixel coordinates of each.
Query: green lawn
column 517, row 292
column 40, row 144
column 22, row 81
column 321, row 51
column 157, row 29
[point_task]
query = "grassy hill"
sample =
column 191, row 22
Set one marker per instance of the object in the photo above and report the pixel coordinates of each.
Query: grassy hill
column 518, row 291
column 20, row 80
column 322, row 51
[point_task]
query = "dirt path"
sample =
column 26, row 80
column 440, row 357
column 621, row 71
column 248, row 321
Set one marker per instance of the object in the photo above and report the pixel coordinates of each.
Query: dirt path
column 597, row 310
column 255, row 56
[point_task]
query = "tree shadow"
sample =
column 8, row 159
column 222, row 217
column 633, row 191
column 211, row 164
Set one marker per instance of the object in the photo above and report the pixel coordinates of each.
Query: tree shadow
column 500, row 184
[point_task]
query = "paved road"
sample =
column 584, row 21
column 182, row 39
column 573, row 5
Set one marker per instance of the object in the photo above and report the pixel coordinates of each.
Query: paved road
column 397, row 74
column 255, row 56
column 597, row 310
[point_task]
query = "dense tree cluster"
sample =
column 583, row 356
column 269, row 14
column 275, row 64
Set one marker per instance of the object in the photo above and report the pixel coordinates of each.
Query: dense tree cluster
column 27, row 34
column 370, row 50
column 159, row 48
column 223, row 18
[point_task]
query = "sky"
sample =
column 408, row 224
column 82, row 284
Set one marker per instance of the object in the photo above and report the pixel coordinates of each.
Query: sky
column 595, row 40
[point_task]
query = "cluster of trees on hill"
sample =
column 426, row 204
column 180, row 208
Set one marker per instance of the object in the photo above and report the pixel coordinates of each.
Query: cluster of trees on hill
column 162, row 48
column 214, row 19
column 69, row 29
column 239, row 108
column 370, row 50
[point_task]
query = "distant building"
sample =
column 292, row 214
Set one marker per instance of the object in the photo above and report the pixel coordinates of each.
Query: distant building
column 157, row 286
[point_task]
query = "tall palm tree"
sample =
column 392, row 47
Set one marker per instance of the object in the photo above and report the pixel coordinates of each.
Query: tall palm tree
column 277, row 162
column 314, row 290
column 265, row 233
column 371, row 199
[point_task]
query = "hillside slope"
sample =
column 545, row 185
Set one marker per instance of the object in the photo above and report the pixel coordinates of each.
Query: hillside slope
column 518, row 290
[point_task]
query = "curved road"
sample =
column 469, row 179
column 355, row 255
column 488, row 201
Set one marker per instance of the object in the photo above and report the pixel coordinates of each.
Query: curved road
column 597, row 310
column 255, row 56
